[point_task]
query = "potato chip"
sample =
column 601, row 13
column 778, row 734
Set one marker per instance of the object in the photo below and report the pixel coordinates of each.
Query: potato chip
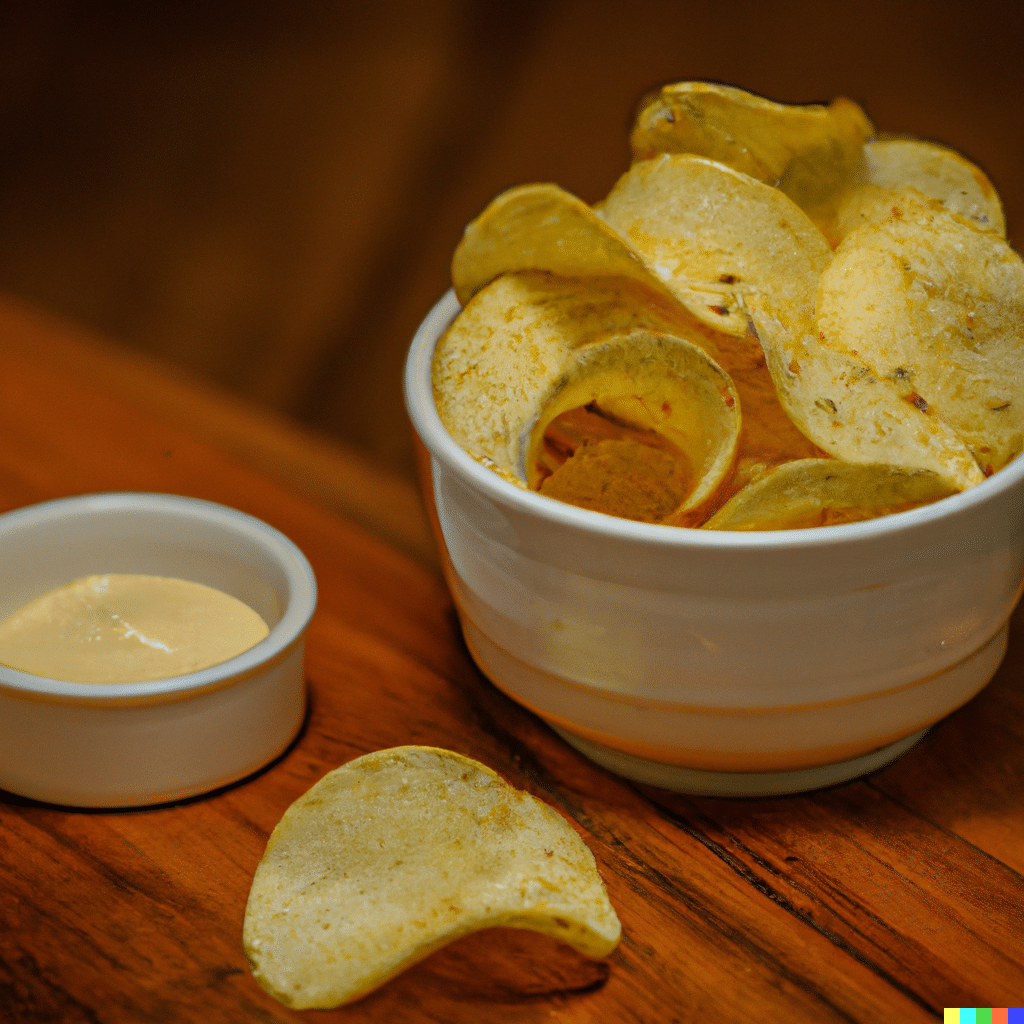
column 826, row 492
column 659, row 383
column 768, row 437
column 514, row 348
column 693, row 218
column 810, row 152
column 592, row 461
column 898, row 171
column 704, row 228
column 723, row 228
column 540, row 227
column 935, row 307
column 399, row 852
column 849, row 410
column 543, row 227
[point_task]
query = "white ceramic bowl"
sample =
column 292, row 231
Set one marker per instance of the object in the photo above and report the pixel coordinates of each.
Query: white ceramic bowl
column 130, row 744
column 715, row 662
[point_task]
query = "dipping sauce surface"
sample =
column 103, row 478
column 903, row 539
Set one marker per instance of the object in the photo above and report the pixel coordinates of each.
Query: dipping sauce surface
column 127, row 629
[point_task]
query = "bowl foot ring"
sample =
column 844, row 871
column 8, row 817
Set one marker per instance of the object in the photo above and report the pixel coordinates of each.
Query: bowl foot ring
column 695, row 782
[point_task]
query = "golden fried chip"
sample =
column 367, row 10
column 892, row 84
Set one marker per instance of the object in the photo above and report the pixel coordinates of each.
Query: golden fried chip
column 898, row 171
column 692, row 219
column 705, row 229
column 898, row 356
column 512, row 348
column 808, row 151
column 541, row 227
column 592, row 461
column 936, row 307
column 399, row 852
column 846, row 408
column 658, row 383
column 825, row 492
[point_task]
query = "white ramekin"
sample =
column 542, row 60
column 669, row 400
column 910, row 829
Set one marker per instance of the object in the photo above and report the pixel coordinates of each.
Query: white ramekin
column 130, row 744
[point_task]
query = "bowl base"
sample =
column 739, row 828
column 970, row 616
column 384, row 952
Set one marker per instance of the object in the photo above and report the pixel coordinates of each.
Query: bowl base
column 694, row 782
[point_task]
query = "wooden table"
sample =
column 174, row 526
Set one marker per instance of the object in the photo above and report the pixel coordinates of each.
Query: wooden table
column 885, row 899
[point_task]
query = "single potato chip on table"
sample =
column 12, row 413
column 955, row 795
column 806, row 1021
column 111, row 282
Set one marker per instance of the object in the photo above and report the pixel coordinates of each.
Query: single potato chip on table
column 404, row 850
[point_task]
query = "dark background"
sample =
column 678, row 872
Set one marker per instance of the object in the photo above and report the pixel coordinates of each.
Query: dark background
column 268, row 194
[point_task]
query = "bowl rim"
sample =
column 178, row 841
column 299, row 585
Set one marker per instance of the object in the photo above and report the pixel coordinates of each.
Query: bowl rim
column 418, row 393
column 272, row 648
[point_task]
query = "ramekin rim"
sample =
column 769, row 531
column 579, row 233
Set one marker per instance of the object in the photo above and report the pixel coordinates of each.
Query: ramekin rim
column 293, row 623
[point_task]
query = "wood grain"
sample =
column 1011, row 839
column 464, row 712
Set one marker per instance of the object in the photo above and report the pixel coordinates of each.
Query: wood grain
column 885, row 899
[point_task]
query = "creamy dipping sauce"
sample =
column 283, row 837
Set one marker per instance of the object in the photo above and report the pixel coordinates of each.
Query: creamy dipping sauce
column 127, row 629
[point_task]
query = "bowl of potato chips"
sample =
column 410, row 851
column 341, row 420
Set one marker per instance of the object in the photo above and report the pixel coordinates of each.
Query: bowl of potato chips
column 725, row 465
